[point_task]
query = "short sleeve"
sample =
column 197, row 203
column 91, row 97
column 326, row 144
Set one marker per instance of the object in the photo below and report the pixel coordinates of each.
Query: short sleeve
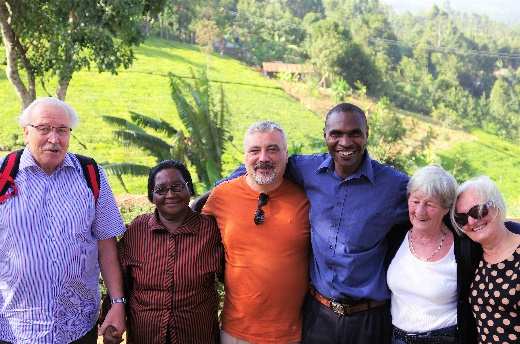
column 401, row 202
column 107, row 222
column 293, row 172
column 210, row 206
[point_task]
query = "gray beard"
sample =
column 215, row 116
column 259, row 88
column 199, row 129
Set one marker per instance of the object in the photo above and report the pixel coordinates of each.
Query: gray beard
column 261, row 179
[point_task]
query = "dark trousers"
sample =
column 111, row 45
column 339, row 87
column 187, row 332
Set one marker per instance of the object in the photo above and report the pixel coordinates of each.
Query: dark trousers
column 321, row 325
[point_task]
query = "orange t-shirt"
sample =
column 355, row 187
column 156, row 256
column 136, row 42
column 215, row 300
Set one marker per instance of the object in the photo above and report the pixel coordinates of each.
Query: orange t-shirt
column 266, row 273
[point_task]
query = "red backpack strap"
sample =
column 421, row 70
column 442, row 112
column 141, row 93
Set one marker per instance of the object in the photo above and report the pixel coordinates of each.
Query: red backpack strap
column 8, row 172
column 91, row 173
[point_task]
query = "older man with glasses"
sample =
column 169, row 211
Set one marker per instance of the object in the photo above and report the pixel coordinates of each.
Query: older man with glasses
column 263, row 220
column 56, row 232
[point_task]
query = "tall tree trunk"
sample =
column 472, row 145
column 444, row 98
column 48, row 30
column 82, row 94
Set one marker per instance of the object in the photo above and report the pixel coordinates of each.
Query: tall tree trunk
column 15, row 52
column 61, row 90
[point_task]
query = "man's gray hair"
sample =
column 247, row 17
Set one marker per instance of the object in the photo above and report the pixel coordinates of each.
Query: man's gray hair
column 265, row 127
column 25, row 117
column 487, row 191
column 436, row 182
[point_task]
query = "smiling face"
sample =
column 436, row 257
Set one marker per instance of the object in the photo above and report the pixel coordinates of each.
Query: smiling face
column 478, row 230
column 346, row 135
column 48, row 150
column 171, row 205
column 425, row 212
column 265, row 157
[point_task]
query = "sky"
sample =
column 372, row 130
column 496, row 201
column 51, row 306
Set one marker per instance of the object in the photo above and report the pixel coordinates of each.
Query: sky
column 506, row 11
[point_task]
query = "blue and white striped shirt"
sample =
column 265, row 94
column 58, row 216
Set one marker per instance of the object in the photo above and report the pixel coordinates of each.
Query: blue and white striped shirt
column 49, row 271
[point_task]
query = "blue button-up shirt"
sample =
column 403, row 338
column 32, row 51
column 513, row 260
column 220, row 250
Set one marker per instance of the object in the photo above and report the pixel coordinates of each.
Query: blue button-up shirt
column 350, row 219
column 49, row 271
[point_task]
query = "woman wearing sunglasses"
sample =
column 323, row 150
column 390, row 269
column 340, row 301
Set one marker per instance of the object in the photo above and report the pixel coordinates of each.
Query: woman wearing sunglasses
column 494, row 289
column 170, row 259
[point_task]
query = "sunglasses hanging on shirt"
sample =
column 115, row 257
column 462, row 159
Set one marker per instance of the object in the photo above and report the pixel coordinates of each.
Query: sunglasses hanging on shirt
column 259, row 213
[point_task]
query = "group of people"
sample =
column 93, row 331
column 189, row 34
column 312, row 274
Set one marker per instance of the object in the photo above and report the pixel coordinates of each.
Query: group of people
column 323, row 248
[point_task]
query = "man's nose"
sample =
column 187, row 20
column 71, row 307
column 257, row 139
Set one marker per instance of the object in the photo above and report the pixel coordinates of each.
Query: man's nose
column 53, row 137
column 264, row 155
column 344, row 140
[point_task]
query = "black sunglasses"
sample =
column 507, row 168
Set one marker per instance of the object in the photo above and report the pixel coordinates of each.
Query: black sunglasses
column 259, row 213
column 477, row 212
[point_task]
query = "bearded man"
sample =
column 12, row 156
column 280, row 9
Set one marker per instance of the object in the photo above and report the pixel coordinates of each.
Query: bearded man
column 264, row 223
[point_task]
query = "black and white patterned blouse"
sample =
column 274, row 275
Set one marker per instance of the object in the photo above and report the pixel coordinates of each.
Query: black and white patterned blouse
column 495, row 300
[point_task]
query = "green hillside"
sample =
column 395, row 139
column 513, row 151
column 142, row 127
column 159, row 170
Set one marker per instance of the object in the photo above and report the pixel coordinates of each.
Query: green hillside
column 144, row 89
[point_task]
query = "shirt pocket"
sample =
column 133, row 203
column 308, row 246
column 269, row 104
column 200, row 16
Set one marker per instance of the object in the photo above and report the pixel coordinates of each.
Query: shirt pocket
column 365, row 230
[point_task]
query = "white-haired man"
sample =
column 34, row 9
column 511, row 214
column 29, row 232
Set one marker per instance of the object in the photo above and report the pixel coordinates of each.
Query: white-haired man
column 263, row 220
column 56, row 233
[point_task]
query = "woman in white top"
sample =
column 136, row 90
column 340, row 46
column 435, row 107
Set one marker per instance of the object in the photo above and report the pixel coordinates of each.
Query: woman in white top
column 423, row 273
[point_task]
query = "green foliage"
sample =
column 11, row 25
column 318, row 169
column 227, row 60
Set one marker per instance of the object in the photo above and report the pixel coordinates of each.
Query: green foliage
column 54, row 39
column 328, row 44
column 207, row 33
column 204, row 114
column 504, row 107
column 341, row 89
column 386, row 136
column 267, row 31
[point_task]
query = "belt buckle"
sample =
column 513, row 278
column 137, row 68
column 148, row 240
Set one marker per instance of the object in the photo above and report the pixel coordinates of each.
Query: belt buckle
column 338, row 308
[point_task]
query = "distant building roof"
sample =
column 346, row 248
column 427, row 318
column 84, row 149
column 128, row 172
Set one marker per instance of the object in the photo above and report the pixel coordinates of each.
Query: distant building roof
column 277, row 67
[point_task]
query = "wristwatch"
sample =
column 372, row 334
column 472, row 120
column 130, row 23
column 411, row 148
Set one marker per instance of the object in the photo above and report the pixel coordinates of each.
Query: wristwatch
column 118, row 300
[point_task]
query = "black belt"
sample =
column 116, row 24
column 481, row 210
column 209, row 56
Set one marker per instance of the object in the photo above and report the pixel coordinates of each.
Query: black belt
column 346, row 308
column 440, row 336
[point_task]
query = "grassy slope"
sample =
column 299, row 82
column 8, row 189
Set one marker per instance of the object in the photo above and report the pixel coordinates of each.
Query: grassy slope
column 144, row 88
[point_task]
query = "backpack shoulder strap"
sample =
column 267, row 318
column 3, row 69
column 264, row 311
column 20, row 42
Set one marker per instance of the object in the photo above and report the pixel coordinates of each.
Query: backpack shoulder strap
column 8, row 172
column 91, row 173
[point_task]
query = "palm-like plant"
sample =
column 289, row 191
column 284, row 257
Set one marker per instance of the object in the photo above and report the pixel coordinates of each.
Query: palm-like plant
column 204, row 117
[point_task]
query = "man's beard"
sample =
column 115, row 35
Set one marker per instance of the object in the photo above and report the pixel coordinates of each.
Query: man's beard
column 263, row 178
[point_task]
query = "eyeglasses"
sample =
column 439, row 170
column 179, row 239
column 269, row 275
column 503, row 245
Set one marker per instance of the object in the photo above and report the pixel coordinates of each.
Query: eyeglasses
column 259, row 213
column 477, row 212
column 45, row 129
column 175, row 188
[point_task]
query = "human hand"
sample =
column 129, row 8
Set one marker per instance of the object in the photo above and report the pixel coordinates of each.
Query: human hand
column 113, row 326
column 112, row 335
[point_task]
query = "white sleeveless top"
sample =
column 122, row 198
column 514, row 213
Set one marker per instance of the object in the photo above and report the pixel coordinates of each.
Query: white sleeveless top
column 424, row 294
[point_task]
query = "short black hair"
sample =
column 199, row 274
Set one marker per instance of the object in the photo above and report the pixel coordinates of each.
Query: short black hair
column 169, row 164
column 346, row 107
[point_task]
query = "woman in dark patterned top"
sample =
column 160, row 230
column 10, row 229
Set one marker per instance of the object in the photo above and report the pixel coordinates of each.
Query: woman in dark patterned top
column 170, row 259
column 479, row 212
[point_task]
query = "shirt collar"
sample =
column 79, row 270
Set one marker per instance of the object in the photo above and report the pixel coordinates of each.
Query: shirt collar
column 190, row 225
column 364, row 170
column 27, row 160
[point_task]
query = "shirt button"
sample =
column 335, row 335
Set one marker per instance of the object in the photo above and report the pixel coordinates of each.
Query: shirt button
column 331, row 247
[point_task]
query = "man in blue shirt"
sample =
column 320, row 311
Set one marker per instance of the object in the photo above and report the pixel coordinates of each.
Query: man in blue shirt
column 354, row 203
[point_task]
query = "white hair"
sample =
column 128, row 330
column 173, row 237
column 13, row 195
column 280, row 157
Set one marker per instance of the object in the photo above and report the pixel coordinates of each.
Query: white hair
column 265, row 127
column 436, row 182
column 487, row 191
column 25, row 117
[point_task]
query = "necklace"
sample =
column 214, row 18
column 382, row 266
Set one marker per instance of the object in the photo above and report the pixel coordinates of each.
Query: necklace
column 441, row 242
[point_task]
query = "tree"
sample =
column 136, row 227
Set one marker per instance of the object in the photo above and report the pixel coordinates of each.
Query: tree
column 505, row 109
column 268, row 31
column 46, row 40
column 327, row 45
column 203, row 114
